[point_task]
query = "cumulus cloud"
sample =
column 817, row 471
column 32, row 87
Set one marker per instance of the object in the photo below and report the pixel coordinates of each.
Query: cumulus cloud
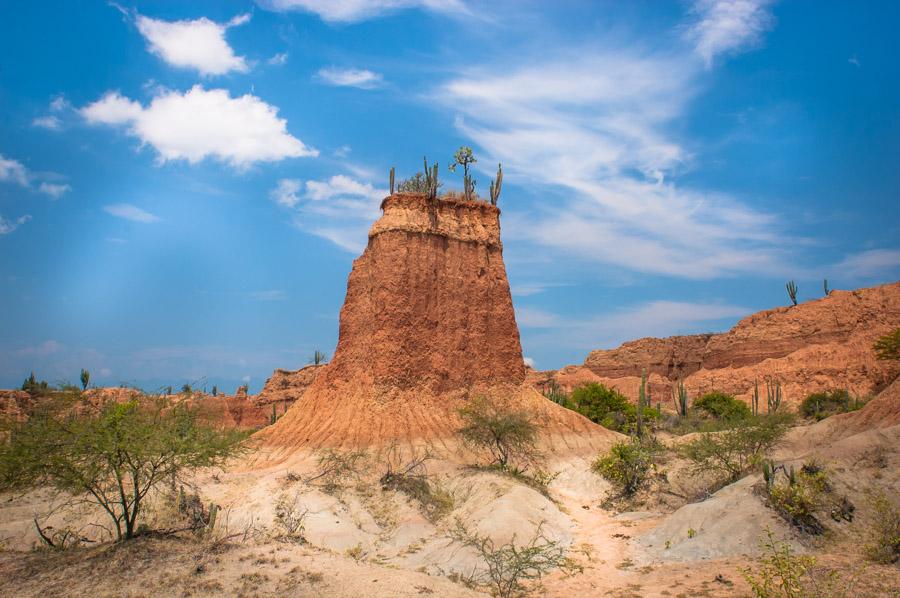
column 361, row 78
column 198, row 44
column 727, row 26
column 339, row 208
column 351, row 11
column 130, row 212
column 8, row 226
column 200, row 123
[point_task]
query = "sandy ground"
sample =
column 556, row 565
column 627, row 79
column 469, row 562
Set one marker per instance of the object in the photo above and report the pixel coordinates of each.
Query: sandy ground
column 364, row 541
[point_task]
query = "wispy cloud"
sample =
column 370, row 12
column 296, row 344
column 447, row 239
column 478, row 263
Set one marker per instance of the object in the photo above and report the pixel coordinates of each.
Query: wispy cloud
column 13, row 171
column 270, row 295
column 54, row 190
column 339, row 208
column 8, row 226
column 278, row 59
column 361, row 78
column 874, row 263
column 727, row 26
column 599, row 127
column 351, row 11
column 51, row 122
column 130, row 212
column 197, row 44
column 654, row 318
column 202, row 123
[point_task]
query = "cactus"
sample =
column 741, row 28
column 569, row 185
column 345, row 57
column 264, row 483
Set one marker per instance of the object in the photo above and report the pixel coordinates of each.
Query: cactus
column 392, row 180
column 792, row 476
column 642, row 398
column 680, row 398
column 755, row 401
column 274, row 416
column 768, row 474
column 792, row 291
column 825, row 287
column 181, row 500
column 431, row 179
column 773, row 396
column 496, row 184
column 213, row 512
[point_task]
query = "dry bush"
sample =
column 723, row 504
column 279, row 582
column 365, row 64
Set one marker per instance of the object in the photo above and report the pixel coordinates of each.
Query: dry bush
column 290, row 515
column 510, row 566
column 336, row 469
column 410, row 477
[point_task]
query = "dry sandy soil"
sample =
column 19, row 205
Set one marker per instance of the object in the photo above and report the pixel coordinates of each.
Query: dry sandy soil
column 361, row 540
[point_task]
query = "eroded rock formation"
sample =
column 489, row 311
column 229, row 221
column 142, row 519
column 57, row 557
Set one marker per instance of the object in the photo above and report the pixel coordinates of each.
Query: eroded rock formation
column 427, row 323
column 818, row 345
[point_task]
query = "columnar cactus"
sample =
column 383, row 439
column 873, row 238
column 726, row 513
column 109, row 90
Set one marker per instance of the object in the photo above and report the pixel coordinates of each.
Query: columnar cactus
column 680, row 398
column 792, row 291
column 392, row 180
column 642, row 398
column 773, row 396
column 496, row 184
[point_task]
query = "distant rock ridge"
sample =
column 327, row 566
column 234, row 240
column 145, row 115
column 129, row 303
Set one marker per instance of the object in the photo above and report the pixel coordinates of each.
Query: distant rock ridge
column 817, row 345
column 427, row 324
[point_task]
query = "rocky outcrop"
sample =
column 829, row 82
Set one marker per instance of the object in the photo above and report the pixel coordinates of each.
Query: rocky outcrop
column 427, row 323
column 817, row 345
column 286, row 386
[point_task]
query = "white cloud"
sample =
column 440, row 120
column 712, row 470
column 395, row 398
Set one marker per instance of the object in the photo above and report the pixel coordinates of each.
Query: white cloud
column 351, row 11
column 54, row 190
column 339, row 208
column 130, row 212
column 528, row 361
column 199, row 44
column 287, row 192
column 278, row 59
column 8, row 226
column 727, row 26
column 13, row 171
column 598, row 126
column 202, row 123
column 50, row 122
column 654, row 318
column 873, row 263
column 361, row 78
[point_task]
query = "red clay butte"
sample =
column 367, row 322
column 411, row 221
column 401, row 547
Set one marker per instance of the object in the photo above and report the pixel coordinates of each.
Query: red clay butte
column 427, row 324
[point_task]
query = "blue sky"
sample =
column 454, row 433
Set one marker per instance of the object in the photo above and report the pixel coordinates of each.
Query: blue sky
column 183, row 186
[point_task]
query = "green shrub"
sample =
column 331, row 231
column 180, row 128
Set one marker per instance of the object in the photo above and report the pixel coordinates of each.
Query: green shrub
column 608, row 407
column 799, row 496
column 734, row 451
column 820, row 405
column 884, row 532
column 35, row 387
column 888, row 346
column 627, row 464
column 720, row 405
column 780, row 573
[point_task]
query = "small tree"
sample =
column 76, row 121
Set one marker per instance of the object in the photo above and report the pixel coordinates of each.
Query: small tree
column 888, row 346
column 215, row 390
column 734, row 451
column 507, row 434
column 112, row 457
column 35, row 387
column 85, row 378
column 464, row 157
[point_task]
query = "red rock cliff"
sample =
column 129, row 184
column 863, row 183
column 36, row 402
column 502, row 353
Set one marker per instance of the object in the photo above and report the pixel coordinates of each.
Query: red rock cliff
column 427, row 322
